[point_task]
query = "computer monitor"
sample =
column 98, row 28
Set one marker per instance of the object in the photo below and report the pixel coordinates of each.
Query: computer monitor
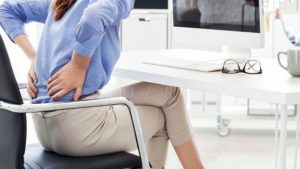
column 235, row 24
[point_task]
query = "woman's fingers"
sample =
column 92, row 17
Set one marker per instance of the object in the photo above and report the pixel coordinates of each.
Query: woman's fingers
column 33, row 77
column 54, row 90
column 59, row 94
column 52, row 84
column 78, row 92
column 32, row 87
column 54, row 77
column 31, row 81
column 31, row 93
column 31, row 90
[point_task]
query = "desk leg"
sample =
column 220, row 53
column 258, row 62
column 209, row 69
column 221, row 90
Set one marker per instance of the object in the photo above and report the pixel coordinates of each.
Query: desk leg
column 297, row 136
column 283, row 138
column 276, row 136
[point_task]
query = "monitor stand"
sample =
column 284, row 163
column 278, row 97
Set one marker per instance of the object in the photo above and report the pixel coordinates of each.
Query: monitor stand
column 239, row 54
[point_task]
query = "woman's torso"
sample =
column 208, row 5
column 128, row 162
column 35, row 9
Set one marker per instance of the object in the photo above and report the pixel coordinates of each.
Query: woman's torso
column 56, row 47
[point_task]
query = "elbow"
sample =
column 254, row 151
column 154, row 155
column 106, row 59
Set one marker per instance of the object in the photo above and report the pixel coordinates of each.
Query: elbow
column 91, row 22
column 99, row 18
column 3, row 10
column 7, row 6
column 126, row 6
column 11, row 10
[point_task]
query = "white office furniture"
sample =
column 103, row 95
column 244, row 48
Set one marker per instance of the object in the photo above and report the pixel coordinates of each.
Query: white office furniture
column 185, row 63
column 133, row 40
column 274, row 85
column 145, row 30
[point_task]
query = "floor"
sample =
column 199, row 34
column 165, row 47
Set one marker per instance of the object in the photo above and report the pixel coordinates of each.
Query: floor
column 250, row 144
column 239, row 150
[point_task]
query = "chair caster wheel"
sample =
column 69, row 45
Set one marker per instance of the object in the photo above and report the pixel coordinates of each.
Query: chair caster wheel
column 223, row 132
column 223, row 127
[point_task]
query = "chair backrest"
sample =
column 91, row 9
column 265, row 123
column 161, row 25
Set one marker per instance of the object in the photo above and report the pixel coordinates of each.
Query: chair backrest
column 12, row 125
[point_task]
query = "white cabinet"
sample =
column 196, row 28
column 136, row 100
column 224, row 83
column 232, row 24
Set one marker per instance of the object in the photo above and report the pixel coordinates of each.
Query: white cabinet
column 145, row 31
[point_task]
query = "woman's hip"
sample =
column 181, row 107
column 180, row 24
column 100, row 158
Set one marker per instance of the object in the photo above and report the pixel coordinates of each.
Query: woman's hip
column 66, row 132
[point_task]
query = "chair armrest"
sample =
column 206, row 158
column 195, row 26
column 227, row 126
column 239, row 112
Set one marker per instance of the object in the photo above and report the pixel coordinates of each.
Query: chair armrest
column 35, row 108
column 22, row 85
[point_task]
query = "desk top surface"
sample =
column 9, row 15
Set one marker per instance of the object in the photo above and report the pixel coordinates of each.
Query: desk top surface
column 274, row 85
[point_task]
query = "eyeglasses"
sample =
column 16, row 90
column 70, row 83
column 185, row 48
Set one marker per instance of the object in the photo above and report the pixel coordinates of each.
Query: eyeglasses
column 231, row 66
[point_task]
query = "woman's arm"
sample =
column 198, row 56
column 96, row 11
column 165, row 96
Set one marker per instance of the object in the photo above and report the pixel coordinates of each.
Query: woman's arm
column 23, row 42
column 15, row 13
column 97, row 17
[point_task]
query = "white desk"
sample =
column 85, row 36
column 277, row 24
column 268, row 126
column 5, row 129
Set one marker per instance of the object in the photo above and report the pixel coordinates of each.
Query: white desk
column 274, row 85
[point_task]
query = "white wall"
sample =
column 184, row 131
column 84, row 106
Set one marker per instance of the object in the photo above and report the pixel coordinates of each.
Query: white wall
column 19, row 61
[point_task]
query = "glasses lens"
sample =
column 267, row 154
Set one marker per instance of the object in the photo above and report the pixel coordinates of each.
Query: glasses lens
column 231, row 66
column 253, row 67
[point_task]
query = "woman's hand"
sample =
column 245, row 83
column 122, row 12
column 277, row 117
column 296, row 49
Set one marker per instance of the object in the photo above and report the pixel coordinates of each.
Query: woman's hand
column 23, row 42
column 32, row 80
column 68, row 78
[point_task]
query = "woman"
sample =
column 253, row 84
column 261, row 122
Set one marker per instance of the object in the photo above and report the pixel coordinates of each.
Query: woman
column 78, row 49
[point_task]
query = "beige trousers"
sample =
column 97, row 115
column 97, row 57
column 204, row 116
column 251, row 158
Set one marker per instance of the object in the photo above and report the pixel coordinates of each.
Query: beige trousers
column 100, row 130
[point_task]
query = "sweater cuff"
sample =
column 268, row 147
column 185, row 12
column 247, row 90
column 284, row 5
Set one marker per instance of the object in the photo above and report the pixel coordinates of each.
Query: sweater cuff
column 88, row 47
column 82, row 50
column 16, row 32
column 87, row 40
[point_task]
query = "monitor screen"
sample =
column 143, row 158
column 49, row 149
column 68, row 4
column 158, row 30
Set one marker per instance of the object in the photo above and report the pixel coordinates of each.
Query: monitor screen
column 228, row 15
column 151, row 4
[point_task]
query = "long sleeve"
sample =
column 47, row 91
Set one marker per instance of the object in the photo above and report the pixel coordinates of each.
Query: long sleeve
column 15, row 13
column 97, row 17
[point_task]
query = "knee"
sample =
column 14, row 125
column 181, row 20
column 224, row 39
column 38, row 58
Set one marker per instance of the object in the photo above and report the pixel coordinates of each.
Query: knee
column 176, row 91
column 176, row 94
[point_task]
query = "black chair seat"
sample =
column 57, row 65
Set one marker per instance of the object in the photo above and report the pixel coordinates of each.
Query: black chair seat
column 37, row 158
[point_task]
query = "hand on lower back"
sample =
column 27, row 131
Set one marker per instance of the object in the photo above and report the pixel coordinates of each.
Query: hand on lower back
column 23, row 42
column 31, row 81
column 69, row 78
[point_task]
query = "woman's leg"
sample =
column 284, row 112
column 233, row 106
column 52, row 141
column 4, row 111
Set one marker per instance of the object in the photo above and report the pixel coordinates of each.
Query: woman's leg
column 188, row 155
column 157, row 148
column 102, row 130
column 171, row 102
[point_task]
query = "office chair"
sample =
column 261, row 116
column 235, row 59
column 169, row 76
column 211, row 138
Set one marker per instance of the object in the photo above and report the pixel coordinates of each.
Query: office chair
column 14, row 154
